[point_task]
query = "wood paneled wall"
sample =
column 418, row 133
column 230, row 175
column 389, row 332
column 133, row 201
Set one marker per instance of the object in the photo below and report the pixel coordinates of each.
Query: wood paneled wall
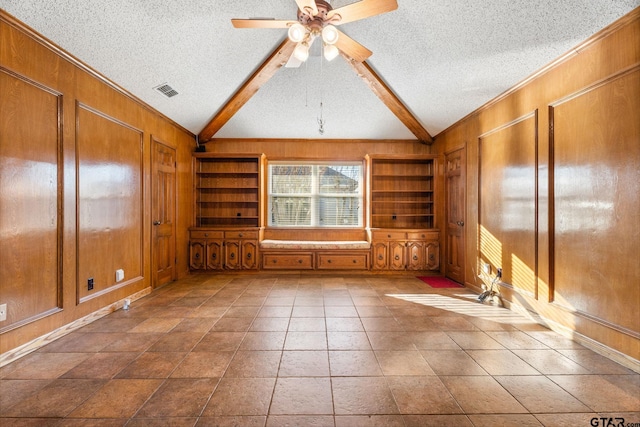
column 75, row 187
column 553, row 177
column 326, row 149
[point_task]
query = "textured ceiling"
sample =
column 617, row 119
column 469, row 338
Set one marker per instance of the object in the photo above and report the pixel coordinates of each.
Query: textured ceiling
column 443, row 59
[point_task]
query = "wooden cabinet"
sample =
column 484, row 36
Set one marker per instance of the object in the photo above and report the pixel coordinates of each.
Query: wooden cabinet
column 205, row 249
column 405, row 250
column 402, row 192
column 227, row 190
column 223, row 249
column 316, row 260
column 287, row 261
column 227, row 211
column 343, row 261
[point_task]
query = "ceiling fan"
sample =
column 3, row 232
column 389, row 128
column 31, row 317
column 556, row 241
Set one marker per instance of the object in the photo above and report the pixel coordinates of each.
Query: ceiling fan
column 318, row 19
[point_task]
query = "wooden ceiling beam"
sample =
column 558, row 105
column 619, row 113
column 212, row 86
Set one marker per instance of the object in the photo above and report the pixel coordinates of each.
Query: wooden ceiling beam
column 268, row 69
column 386, row 95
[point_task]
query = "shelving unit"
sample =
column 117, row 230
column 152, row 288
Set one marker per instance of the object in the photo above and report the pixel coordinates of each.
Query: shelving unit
column 227, row 211
column 227, row 190
column 402, row 192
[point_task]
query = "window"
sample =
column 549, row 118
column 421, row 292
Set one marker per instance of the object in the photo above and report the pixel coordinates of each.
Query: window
column 304, row 194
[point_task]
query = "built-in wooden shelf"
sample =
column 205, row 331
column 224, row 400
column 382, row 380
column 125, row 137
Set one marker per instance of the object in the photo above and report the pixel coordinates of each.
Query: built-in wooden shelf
column 227, row 190
column 402, row 192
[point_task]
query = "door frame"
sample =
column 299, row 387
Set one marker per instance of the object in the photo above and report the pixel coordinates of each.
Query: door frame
column 154, row 142
column 463, row 167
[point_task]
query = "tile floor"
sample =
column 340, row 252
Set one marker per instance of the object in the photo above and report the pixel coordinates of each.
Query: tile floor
column 296, row 350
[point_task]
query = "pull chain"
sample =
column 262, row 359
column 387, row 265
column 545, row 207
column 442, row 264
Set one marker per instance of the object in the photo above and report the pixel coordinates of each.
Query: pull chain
column 321, row 120
column 306, row 84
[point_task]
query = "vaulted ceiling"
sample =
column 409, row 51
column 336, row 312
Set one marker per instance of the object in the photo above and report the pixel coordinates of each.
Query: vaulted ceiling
column 434, row 61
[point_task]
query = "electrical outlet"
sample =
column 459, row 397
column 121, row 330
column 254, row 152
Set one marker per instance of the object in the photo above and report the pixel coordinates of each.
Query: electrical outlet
column 3, row 312
column 486, row 268
column 499, row 273
column 119, row 275
column 90, row 284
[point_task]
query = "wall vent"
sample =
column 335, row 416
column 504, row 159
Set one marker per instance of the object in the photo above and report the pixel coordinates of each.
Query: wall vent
column 166, row 90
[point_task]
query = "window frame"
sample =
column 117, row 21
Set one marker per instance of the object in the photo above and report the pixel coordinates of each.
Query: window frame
column 316, row 195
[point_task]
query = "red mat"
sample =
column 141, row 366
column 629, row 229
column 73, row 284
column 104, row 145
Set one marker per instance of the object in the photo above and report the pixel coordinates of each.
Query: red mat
column 440, row 282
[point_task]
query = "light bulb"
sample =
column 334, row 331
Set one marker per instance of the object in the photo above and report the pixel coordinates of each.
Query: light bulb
column 330, row 52
column 330, row 34
column 301, row 52
column 297, row 32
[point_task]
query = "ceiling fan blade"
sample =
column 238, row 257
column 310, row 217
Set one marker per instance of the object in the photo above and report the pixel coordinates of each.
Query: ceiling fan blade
column 352, row 48
column 310, row 4
column 293, row 62
column 261, row 23
column 362, row 9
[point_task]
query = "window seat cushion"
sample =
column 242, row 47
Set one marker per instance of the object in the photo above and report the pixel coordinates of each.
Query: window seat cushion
column 311, row 244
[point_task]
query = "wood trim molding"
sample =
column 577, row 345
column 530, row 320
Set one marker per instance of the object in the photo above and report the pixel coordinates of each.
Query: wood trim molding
column 616, row 26
column 265, row 71
column 33, row 345
column 8, row 19
column 303, row 141
column 386, row 95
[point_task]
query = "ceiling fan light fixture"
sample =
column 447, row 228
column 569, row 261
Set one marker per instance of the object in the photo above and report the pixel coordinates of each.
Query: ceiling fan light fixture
column 330, row 52
column 330, row 34
column 297, row 33
column 301, row 52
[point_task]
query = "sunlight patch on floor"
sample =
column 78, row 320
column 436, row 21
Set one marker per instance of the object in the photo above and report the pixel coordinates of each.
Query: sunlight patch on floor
column 469, row 306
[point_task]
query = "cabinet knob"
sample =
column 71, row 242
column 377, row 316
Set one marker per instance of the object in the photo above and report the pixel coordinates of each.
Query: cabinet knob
column 432, row 257
column 197, row 256
column 460, row 223
column 240, row 235
column 388, row 236
column 249, row 255
column 299, row 261
column 355, row 261
column 275, row 261
column 156, row 223
column 206, row 234
column 397, row 257
column 415, row 257
column 380, row 257
column 214, row 256
column 232, row 255
column 329, row 261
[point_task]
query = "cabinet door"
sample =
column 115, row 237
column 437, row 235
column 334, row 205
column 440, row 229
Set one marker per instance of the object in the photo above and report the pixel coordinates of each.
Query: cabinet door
column 415, row 251
column 432, row 256
column 249, row 254
column 197, row 253
column 397, row 250
column 214, row 255
column 380, row 253
column 232, row 259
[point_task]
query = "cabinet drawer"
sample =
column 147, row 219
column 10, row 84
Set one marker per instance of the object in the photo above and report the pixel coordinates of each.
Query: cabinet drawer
column 355, row 261
column 205, row 234
column 298, row 261
column 241, row 234
column 423, row 235
column 388, row 235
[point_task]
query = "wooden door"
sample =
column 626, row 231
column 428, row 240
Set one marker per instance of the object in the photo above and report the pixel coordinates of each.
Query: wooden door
column 232, row 259
column 415, row 252
column 432, row 256
column 163, row 214
column 249, row 254
column 380, row 255
column 455, row 214
column 396, row 250
column 214, row 255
